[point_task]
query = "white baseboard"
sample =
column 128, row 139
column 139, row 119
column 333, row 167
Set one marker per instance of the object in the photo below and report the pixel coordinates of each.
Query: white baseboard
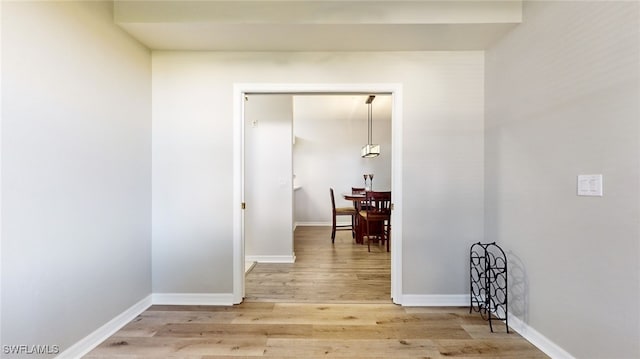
column 193, row 299
column 321, row 224
column 271, row 259
column 537, row 339
column 248, row 266
column 88, row 343
column 434, row 300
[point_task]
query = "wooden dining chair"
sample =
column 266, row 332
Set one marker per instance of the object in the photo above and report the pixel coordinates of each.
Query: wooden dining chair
column 341, row 211
column 377, row 217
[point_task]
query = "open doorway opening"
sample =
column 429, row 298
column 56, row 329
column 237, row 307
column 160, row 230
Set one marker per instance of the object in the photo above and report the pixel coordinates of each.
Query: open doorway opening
column 393, row 91
column 297, row 147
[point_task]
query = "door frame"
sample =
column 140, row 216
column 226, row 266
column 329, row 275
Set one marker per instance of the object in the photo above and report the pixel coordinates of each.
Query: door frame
column 240, row 90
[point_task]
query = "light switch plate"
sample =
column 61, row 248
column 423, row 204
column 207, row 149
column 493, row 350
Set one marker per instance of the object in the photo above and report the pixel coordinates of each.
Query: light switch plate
column 590, row 185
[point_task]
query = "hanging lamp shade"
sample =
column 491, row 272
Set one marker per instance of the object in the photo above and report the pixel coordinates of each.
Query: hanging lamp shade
column 370, row 150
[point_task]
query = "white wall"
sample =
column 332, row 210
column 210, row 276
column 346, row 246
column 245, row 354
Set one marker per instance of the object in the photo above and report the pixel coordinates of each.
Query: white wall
column 562, row 96
column 193, row 158
column 330, row 131
column 268, row 190
column 76, row 174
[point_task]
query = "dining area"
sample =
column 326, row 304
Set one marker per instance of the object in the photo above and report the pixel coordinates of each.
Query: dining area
column 369, row 215
column 337, row 139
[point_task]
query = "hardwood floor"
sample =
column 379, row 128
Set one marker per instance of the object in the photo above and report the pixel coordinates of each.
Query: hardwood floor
column 324, row 273
column 333, row 302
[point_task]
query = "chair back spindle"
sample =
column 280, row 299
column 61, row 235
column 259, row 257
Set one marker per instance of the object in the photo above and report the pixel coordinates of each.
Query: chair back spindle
column 377, row 211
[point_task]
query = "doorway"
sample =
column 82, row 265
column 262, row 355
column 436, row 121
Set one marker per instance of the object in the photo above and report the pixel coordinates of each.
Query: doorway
column 241, row 91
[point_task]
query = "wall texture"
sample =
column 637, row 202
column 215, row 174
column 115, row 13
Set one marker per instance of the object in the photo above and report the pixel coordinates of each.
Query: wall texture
column 443, row 143
column 76, row 176
column 562, row 95
column 268, row 166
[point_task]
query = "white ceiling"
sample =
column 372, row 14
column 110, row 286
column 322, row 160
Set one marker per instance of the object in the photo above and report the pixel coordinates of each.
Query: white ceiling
column 349, row 108
column 306, row 25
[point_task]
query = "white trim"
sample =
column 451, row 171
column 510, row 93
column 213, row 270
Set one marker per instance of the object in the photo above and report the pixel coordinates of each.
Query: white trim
column 396, row 190
column 88, row 343
column 249, row 267
column 537, row 339
column 239, row 91
column 272, row 259
column 321, row 224
column 238, row 195
column 225, row 299
column 435, row 300
column 1, row 112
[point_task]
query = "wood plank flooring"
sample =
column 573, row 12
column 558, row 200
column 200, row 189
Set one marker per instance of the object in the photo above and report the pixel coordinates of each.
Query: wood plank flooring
column 309, row 310
column 343, row 272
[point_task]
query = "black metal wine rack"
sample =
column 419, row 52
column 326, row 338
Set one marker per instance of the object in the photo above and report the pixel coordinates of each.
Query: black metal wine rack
column 488, row 282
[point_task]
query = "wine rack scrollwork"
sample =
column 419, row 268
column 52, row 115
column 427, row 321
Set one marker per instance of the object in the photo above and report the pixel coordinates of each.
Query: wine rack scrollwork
column 488, row 282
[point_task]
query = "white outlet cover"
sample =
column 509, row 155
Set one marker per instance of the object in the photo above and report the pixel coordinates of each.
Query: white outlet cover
column 590, row 185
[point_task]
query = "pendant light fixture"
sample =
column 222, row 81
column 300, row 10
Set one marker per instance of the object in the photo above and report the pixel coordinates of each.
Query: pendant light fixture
column 370, row 150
